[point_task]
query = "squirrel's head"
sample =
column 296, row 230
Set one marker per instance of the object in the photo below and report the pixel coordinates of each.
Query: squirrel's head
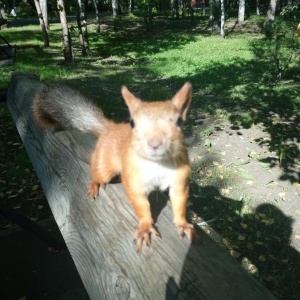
column 156, row 125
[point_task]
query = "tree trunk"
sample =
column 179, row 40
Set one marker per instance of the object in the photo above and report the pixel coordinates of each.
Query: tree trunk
column 43, row 4
column 211, row 15
column 96, row 3
column 42, row 23
column 270, row 15
column 82, row 27
column 175, row 9
column 131, row 5
column 67, row 43
column 241, row 15
column 257, row 8
column 115, row 8
column 222, row 32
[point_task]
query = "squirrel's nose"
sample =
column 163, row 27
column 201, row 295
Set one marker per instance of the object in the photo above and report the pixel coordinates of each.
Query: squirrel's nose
column 154, row 143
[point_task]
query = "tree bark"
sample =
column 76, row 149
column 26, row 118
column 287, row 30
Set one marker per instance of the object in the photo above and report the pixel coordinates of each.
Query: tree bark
column 222, row 33
column 175, row 9
column 241, row 15
column 96, row 3
column 43, row 4
column 67, row 43
column 115, row 8
column 42, row 23
column 270, row 14
column 82, row 27
column 257, row 8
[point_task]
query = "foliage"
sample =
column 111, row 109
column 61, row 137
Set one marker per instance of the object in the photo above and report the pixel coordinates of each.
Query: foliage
column 280, row 48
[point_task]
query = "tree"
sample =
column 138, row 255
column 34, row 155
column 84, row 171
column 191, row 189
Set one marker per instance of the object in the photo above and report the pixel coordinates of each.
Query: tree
column 116, row 8
column 67, row 43
column 96, row 5
column 257, row 8
column 175, row 9
column 44, row 9
column 42, row 23
column 241, row 15
column 82, row 26
column 270, row 15
column 222, row 33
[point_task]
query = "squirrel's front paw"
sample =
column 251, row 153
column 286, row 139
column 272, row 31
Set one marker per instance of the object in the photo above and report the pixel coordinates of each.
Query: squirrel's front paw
column 93, row 189
column 142, row 233
column 188, row 229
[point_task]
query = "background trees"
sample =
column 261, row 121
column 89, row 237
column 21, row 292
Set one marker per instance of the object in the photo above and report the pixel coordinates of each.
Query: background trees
column 88, row 11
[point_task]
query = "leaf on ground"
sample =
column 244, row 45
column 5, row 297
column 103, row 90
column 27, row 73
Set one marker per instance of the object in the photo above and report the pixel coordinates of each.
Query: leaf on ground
column 250, row 246
column 215, row 163
column 262, row 215
column 252, row 269
column 245, row 226
column 12, row 196
column 297, row 184
column 225, row 191
column 234, row 253
column 268, row 221
column 35, row 187
column 244, row 175
column 230, row 219
column 262, row 258
column 207, row 143
column 241, row 237
column 252, row 154
column 272, row 183
column 249, row 182
column 226, row 241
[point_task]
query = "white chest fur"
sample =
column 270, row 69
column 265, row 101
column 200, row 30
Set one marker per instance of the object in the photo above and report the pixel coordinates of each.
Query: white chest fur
column 157, row 175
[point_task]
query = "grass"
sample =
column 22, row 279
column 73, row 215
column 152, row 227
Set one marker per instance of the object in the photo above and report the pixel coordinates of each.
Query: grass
column 230, row 83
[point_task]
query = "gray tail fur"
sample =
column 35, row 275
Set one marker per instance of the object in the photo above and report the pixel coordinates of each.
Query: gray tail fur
column 59, row 106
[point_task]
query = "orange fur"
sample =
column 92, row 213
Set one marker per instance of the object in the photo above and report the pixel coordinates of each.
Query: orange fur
column 149, row 156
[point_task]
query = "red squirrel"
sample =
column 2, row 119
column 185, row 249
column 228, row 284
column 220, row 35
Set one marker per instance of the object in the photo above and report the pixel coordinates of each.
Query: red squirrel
column 148, row 152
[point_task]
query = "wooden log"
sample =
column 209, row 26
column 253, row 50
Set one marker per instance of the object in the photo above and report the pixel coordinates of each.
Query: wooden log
column 99, row 234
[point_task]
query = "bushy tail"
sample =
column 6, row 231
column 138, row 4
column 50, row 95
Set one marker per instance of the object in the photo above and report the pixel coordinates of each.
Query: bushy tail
column 59, row 106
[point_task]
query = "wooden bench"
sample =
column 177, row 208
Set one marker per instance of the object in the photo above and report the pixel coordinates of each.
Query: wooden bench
column 99, row 234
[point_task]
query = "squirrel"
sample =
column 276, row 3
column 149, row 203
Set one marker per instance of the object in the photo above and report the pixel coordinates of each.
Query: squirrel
column 148, row 152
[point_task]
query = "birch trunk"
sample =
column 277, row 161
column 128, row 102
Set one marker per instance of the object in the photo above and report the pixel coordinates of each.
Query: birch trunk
column 82, row 27
column 42, row 23
column 241, row 15
column 67, row 43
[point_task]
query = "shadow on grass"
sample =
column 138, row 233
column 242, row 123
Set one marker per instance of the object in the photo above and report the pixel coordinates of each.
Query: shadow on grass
column 260, row 241
column 240, row 90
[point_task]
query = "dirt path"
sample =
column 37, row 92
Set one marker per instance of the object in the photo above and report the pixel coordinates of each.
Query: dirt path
column 246, row 171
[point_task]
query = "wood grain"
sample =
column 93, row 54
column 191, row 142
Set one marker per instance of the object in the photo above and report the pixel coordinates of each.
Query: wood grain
column 99, row 234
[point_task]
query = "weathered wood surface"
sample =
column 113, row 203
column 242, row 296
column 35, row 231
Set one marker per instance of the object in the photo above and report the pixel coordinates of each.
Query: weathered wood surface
column 99, row 234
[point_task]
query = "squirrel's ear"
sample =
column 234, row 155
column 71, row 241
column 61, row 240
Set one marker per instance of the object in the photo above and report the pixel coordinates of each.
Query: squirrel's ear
column 183, row 99
column 131, row 101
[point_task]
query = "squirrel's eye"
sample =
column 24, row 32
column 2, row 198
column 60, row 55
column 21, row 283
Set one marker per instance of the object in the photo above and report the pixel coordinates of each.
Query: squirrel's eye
column 132, row 123
column 179, row 122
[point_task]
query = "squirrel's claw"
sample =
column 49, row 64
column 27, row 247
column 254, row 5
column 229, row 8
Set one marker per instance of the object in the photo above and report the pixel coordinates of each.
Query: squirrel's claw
column 143, row 233
column 188, row 230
